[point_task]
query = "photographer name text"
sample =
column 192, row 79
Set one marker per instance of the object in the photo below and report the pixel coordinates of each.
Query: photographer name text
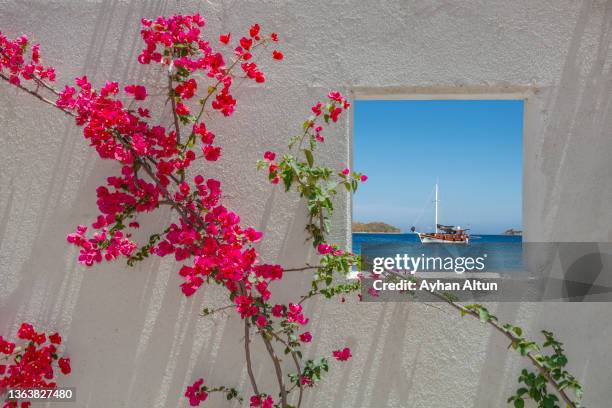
column 436, row 285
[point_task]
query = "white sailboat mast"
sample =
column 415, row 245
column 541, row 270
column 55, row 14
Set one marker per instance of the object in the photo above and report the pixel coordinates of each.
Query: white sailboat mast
column 436, row 201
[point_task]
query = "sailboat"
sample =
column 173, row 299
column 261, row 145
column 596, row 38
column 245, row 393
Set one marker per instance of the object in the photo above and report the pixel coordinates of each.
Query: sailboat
column 443, row 234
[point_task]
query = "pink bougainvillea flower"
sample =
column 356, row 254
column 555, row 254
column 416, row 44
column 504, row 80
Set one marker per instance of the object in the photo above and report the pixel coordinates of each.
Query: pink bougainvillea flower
column 182, row 109
column 195, row 393
column 278, row 310
column 325, row 249
column 246, row 43
column 269, row 156
column 346, row 171
column 139, row 91
column 305, row 380
column 26, row 331
column 244, row 305
column 55, row 338
column 274, row 37
column 373, row 292
column 225, row 38
column 261, row 321
column 184, row 188
column 335, row 96
column 224, row 102
column 305, row 337
column 342, row 355
column 145, row 113
column 191, row 285
column 64, row 365
column 252, row 234
column 6, row 347
column 252, row 71
column 186, row 89
column 294, row 314
column 254, row 31
column 206, row 136
column 255, row 401
column 335, row 113
column 277, row 55
column 363, row 178
column 261, row 401
column 211, row 153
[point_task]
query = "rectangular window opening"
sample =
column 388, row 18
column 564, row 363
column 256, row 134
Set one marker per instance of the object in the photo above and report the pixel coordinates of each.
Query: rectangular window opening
column 467, row 149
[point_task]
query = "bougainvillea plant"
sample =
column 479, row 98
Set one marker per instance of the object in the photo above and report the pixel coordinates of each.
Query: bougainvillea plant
column 155, row 164
column 32, row 364
column 155, row 170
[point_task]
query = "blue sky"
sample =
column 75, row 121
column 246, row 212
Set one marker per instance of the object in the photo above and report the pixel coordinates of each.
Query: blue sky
column 473, row 147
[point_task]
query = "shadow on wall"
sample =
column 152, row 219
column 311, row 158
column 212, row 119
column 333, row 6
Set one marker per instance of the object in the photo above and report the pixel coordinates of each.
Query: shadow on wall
column 575, row 143
column 573, row 151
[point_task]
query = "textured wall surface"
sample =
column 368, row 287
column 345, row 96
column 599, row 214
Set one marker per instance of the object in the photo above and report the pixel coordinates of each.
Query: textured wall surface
column 136, row 341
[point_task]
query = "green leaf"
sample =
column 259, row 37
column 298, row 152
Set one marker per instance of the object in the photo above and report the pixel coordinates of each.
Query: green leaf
column 191, row 141
column 309, row 157
column 483, row 315
column 519, row 403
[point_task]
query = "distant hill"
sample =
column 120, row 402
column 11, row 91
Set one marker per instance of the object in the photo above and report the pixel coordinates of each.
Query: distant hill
column 512, row 231
column 374, row 227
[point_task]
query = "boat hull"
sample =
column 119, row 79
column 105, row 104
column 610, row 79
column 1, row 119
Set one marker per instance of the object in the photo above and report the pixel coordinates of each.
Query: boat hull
column 427, row 239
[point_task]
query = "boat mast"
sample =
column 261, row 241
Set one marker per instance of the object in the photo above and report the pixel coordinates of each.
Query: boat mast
column 436, row 201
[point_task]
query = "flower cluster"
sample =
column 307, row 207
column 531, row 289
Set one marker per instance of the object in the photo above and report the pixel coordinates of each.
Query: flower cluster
column 206, row 230
column 261, row 401
column 31, row 365
column 21, row 60
column 195, row 393
column 342, row 355
column 198, row 392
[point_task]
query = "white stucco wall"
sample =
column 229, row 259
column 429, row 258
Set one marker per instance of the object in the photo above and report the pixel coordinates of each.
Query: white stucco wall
column 136, row 341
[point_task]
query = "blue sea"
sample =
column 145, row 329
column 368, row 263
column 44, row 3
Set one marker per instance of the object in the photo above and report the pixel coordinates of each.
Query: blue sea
column 503, row 252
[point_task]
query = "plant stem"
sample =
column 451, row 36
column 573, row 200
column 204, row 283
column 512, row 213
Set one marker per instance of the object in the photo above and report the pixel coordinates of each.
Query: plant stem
column 39, row 96
column 303, row 268
column 247, row 353
column 217, row 310
column 277, row 369
column 296, row 361
column 510, row 336
column 177, row 127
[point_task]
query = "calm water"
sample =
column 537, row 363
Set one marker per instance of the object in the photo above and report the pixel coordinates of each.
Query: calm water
column 504, row 252
column 374, row 238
